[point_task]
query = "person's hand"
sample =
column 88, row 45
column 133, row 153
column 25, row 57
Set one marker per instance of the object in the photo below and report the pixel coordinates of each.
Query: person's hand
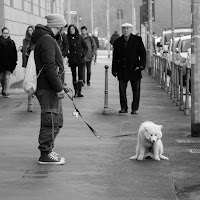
column 66, row 88
column 142, row 67
column 114, row 74
column 61, row 94
column 20, row 48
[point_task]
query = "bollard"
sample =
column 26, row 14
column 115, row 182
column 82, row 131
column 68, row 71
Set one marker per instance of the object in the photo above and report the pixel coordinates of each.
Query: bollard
column 187, row 108
column 105, row 111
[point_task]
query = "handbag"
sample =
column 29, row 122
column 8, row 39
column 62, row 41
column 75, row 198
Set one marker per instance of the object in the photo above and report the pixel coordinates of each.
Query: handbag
column 30, row 79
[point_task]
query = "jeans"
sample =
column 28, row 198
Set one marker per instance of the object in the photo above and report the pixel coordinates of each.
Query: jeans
column 135, row 85
column 51, row 119
column 5, row 81
column 80, row 72
column 88, row 66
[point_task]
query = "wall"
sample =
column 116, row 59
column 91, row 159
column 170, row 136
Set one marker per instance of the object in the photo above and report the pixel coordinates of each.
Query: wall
column 18, row 15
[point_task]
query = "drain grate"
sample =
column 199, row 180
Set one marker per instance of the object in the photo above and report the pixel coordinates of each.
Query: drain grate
column 37, row 172
column 194, row 150
column 34, row 177
column 187, row 141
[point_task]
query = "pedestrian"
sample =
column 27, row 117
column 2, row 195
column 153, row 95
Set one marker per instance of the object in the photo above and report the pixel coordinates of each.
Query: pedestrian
column 26, row 49
column 129, row 58
column 63, row 44
column 77, row 51
column 97, row 47
column 114, row 36
column 8, row 60
column 50, row 84
column 90, row 54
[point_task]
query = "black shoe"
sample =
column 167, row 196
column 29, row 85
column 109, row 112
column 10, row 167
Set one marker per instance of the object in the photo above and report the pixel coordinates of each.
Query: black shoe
column 80, row 95
column 123, row 111
column 133, row 112
column 88, row 84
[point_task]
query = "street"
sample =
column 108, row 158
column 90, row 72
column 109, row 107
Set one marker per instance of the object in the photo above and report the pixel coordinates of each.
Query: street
column 97, row 169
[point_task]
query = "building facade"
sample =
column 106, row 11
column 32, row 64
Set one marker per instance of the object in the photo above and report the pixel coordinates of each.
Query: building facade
column 17, row 15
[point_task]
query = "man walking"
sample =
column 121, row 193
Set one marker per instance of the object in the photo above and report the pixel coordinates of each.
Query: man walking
column 50, row 83
column 129, row 58
column 90, row 54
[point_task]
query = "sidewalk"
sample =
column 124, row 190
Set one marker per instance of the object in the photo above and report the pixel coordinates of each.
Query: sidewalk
column 98, row 169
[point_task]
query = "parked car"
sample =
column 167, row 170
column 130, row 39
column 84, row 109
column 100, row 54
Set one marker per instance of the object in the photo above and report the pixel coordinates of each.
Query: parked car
column 169, row 54
column 183, row 45
column 167, row 36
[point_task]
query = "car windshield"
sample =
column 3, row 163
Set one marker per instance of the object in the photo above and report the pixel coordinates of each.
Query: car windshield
column 186, row 44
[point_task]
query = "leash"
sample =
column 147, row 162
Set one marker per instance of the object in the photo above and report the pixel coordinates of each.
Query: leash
column 78, row 113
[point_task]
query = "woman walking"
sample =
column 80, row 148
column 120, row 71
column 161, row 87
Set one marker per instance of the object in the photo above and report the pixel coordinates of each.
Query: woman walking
column 26, row 49
column 8, row 60
column 77, row 51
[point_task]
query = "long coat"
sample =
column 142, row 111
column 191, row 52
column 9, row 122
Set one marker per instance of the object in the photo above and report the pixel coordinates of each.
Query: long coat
column 127, row 56
column 8, row 55
column 77, row 49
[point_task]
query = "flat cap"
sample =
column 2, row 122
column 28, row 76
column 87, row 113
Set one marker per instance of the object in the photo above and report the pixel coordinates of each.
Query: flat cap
column 126, row 25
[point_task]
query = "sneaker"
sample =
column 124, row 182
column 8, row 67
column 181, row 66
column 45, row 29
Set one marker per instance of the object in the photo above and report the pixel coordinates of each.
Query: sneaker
column 50, row 159
column 57, row 155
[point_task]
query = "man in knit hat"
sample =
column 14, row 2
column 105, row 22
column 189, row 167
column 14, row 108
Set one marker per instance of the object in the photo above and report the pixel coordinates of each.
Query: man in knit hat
column 50, row 85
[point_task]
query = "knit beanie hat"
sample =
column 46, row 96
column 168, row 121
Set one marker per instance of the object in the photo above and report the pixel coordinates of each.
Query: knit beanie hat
column 55, row 21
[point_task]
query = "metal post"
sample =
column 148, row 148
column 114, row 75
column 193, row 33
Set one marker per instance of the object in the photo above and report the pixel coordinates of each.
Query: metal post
column 173, row 52
column 150, row 36
column 195, row 70
column 69, row 11
column 108, row 26
column 133, row 16
column 92, row 16
column 105, row 111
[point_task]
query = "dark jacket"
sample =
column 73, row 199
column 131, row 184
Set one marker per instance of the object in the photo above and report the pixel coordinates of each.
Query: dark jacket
column 8, row 54
column 96, row 41
column 77, row 49
column 63, row 44
column 26, row 49
column 127, row 56
column 114, row 36
column 48, row 57
column 91, row 48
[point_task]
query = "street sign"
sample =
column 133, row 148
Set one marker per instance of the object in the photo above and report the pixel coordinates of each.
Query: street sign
column 119, row 13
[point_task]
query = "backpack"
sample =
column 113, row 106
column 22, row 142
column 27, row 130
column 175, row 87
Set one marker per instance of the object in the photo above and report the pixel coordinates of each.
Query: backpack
column 30, row 79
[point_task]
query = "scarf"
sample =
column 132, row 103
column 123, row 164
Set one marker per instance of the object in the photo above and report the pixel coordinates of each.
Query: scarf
column 5, row 42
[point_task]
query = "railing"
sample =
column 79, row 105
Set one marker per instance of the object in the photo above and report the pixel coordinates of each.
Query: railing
column 174, row 79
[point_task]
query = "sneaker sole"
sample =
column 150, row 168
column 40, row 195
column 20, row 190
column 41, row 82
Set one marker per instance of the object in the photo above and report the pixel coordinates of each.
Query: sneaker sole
column 62, row 162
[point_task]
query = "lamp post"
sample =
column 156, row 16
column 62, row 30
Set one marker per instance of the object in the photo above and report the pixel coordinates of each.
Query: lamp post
column 195, row 69
column 78, row 19
column 108, row 26
column 69, row 11
column 92, row 16
column 133, row 15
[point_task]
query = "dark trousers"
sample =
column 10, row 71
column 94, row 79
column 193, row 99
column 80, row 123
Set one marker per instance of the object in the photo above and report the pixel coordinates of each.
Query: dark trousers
column 88, row 67
column 51, row 119
column 135, row 85
column 80, row 72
